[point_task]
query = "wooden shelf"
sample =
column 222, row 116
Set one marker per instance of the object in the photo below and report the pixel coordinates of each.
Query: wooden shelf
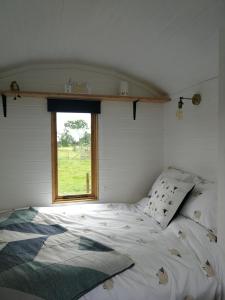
column 43, row 95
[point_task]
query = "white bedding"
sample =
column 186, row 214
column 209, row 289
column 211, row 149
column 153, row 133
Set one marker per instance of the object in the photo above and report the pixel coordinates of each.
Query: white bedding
column 179, row 262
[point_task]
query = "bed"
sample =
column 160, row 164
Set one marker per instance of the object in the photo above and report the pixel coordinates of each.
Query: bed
column 182, row 261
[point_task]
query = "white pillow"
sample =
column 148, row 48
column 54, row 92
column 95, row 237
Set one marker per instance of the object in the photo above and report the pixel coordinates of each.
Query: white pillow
column 201, row 206
column 141, row 204
column 166, row 196
column 179, row 175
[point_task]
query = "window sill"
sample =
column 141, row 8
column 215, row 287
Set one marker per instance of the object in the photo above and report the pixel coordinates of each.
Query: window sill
column 64, row 200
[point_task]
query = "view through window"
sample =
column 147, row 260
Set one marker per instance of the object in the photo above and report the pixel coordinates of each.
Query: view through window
column 75, row 154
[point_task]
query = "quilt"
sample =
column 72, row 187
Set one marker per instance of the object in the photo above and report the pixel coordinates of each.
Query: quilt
column 42, row 259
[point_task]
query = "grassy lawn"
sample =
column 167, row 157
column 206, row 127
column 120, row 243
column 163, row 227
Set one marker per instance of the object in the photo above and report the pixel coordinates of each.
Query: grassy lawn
column 73, row 165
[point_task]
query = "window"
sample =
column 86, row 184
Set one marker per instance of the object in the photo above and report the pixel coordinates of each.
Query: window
column 74, row 156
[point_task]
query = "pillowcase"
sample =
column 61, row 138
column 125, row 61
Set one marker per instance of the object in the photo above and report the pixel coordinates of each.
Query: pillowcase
column 181, row 175
column 202, row 206
column 166, row 196
column 172, row 173
column 141, row 204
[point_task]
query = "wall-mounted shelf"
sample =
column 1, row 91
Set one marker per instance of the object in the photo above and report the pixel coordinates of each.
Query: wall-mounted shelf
column 44, row 95
column 153, row 99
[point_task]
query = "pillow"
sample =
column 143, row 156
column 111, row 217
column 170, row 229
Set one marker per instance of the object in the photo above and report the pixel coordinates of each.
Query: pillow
column 141, row 204
column 202, row 206
column 166, row 197
column 179, row 175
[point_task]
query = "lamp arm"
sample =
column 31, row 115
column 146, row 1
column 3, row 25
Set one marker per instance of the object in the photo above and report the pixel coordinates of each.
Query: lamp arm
column 184, row 98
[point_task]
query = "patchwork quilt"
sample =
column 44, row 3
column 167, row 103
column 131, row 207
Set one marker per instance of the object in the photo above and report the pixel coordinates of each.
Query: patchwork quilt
column 42, row 259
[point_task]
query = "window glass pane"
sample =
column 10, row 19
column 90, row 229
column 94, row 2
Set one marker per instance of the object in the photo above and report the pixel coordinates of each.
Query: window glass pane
column 74, row 153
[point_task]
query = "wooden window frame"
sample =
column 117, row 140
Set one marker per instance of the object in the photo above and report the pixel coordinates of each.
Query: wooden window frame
column 94, row 164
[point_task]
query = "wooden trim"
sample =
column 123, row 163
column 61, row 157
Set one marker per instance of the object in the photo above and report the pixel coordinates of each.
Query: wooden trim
column 54, row 157
column 72, row 200
column 43, row 95
column 94, row 164
column 94, row 154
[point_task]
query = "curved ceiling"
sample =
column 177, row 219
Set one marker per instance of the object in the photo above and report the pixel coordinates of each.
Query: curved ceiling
column 172, row 43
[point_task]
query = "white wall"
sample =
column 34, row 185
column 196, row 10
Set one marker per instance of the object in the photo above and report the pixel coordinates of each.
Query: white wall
column 25, row 172
column 192, row 143
column 221, row 156
column 130, row 152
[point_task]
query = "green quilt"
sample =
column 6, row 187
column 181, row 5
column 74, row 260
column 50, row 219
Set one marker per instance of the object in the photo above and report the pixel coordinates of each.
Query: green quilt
column 45, row 260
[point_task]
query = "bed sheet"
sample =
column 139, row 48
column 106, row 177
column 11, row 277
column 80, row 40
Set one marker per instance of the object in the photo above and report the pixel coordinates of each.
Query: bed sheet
column 181, row 262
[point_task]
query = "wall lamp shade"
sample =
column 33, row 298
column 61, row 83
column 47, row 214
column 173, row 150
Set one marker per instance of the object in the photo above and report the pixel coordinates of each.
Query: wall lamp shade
column 195, row 99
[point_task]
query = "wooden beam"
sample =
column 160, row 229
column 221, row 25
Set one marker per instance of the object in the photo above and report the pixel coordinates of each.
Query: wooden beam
column 43, row 95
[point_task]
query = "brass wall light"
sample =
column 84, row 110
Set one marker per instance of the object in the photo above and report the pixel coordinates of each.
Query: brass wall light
column 196, row 100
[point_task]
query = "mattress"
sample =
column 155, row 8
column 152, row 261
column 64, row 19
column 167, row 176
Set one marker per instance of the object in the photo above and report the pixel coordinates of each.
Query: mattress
column 180, row 262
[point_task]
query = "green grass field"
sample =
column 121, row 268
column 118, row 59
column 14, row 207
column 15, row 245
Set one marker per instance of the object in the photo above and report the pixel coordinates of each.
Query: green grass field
column 73, row 165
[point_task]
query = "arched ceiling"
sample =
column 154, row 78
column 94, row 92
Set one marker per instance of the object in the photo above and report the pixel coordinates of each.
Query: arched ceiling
column 171, row 43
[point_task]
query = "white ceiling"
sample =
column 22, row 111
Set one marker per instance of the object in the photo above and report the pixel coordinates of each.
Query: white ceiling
column 172, row 43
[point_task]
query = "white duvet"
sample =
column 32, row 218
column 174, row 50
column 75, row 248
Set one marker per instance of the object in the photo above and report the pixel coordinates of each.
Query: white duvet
column 181, row 262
